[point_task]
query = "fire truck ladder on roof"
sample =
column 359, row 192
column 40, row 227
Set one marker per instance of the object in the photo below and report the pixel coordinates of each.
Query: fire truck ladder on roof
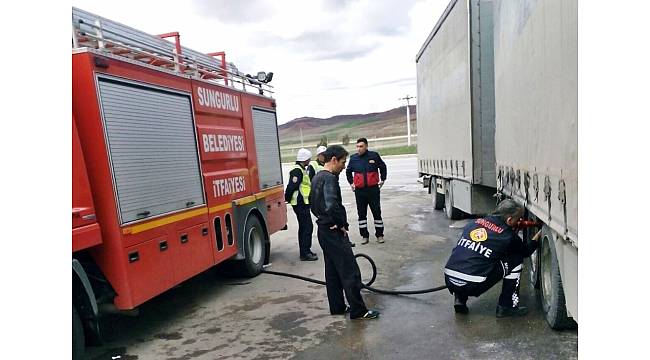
column 115, row 39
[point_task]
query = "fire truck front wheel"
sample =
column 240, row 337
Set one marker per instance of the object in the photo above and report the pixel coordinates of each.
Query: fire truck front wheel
column 254, row 248
column 77, row 335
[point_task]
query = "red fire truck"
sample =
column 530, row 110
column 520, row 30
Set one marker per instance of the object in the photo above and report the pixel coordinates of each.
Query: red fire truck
column 176, row 167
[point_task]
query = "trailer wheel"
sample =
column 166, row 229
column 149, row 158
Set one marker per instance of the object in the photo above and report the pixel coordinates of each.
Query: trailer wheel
column 254, row 248
column 437, row 198
column 451, row 212
column 552, row 293
column 77, row 336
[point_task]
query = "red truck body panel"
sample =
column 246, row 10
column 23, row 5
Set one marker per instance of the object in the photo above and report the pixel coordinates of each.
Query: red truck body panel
column 85, row 229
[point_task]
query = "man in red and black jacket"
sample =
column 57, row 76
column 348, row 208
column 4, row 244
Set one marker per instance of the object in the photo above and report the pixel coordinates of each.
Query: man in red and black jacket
column 366, row 173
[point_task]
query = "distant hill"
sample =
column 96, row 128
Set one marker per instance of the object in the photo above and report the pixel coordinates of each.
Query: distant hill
column 381, row 124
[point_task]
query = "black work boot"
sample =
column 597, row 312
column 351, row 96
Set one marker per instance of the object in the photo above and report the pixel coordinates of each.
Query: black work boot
column 504, row 311
column 460, row 304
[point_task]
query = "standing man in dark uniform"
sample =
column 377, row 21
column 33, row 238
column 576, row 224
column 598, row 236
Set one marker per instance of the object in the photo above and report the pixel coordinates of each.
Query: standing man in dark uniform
column 297, row 194
column 341, row 270
column 366, row 174
column 490, row 250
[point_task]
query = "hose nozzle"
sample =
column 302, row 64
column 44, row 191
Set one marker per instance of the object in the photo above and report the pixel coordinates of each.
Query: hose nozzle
column 527, row 224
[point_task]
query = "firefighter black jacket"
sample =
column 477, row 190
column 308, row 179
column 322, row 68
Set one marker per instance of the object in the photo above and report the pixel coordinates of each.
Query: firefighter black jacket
column 484, row 243
column 326, row 202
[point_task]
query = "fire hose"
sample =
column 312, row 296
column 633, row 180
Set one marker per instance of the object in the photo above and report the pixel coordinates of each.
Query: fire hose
column 365, row 285
column 520, row 225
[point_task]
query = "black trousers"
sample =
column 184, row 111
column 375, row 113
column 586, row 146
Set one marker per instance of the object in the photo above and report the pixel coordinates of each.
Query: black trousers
column 365, row 197
column 305, row 228
column 342, row 274
column 508, row 269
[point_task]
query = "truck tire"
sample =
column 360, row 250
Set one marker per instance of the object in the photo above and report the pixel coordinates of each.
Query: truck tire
column 254, row 248
column 78, row 341
column 451, row 212
column 437, row 198
column 552, row 292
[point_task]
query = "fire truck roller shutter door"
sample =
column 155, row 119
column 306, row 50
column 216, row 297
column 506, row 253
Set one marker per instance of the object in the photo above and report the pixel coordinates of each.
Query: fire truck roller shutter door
column 267, row 148
column 153, row 151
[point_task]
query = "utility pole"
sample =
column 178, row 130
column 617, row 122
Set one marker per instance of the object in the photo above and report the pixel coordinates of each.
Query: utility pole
column 408, row 117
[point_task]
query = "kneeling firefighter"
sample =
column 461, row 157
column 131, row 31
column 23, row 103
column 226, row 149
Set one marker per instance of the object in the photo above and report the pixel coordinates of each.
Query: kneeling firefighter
column 490, row 250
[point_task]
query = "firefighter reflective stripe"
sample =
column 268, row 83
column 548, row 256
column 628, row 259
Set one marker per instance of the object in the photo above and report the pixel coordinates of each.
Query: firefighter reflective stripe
column 363, row 224
column 462, row 276
column 379, row 223
column 317, row 167
column 457, row 282
column 514, row 275
column 305, row 187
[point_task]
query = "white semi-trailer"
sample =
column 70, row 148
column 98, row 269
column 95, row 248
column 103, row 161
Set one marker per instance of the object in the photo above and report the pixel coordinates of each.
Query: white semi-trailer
column 536, row 137
column 497, row 116
column 455, row 110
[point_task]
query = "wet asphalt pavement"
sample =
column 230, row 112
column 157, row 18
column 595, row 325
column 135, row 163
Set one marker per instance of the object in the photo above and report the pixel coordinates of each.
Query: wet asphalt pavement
column 217, row 316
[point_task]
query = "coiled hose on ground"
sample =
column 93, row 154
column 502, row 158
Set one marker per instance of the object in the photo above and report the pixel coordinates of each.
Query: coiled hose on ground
column 365, row 285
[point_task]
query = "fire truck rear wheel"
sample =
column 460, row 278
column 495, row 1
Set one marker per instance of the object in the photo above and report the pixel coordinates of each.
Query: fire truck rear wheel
column 254, row 248
column 552, row 292
column 77, row 335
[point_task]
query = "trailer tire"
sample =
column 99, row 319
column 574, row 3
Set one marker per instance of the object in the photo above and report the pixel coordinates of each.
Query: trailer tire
column 78, row 341
column 451, row 212
column 254, row 248
column 552, row 292
column 437, row 198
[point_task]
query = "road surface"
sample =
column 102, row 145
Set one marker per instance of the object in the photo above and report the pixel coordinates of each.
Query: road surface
column 214, row 316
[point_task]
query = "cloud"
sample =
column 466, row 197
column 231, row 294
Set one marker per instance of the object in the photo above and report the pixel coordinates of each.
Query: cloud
column 399, row 82
column 336, row 4
column 382, row 18
column 228, row 11
column 321, row 45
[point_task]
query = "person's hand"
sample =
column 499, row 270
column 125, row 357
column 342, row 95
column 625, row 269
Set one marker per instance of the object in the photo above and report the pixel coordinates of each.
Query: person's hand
column 345, row 232
column 352, row 187
column 537, row 235
column 381, row 183
column 332, row 227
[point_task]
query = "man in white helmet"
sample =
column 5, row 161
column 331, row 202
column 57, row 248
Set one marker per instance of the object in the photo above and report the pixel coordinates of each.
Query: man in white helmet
column 317, row 165
column 297, row 194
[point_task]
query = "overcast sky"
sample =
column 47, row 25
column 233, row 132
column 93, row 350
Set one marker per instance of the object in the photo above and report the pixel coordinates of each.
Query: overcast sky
column 329, row 57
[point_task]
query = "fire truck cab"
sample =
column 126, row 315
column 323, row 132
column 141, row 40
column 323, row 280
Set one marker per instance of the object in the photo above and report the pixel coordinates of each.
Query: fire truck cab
column 176, row 167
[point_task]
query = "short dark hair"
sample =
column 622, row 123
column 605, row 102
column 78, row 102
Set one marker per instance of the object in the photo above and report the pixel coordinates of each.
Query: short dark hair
column 507, row 208
column 363, row 140
column 335, row 151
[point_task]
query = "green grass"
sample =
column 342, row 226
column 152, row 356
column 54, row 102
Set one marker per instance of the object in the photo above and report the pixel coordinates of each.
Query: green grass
column 399, row 150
